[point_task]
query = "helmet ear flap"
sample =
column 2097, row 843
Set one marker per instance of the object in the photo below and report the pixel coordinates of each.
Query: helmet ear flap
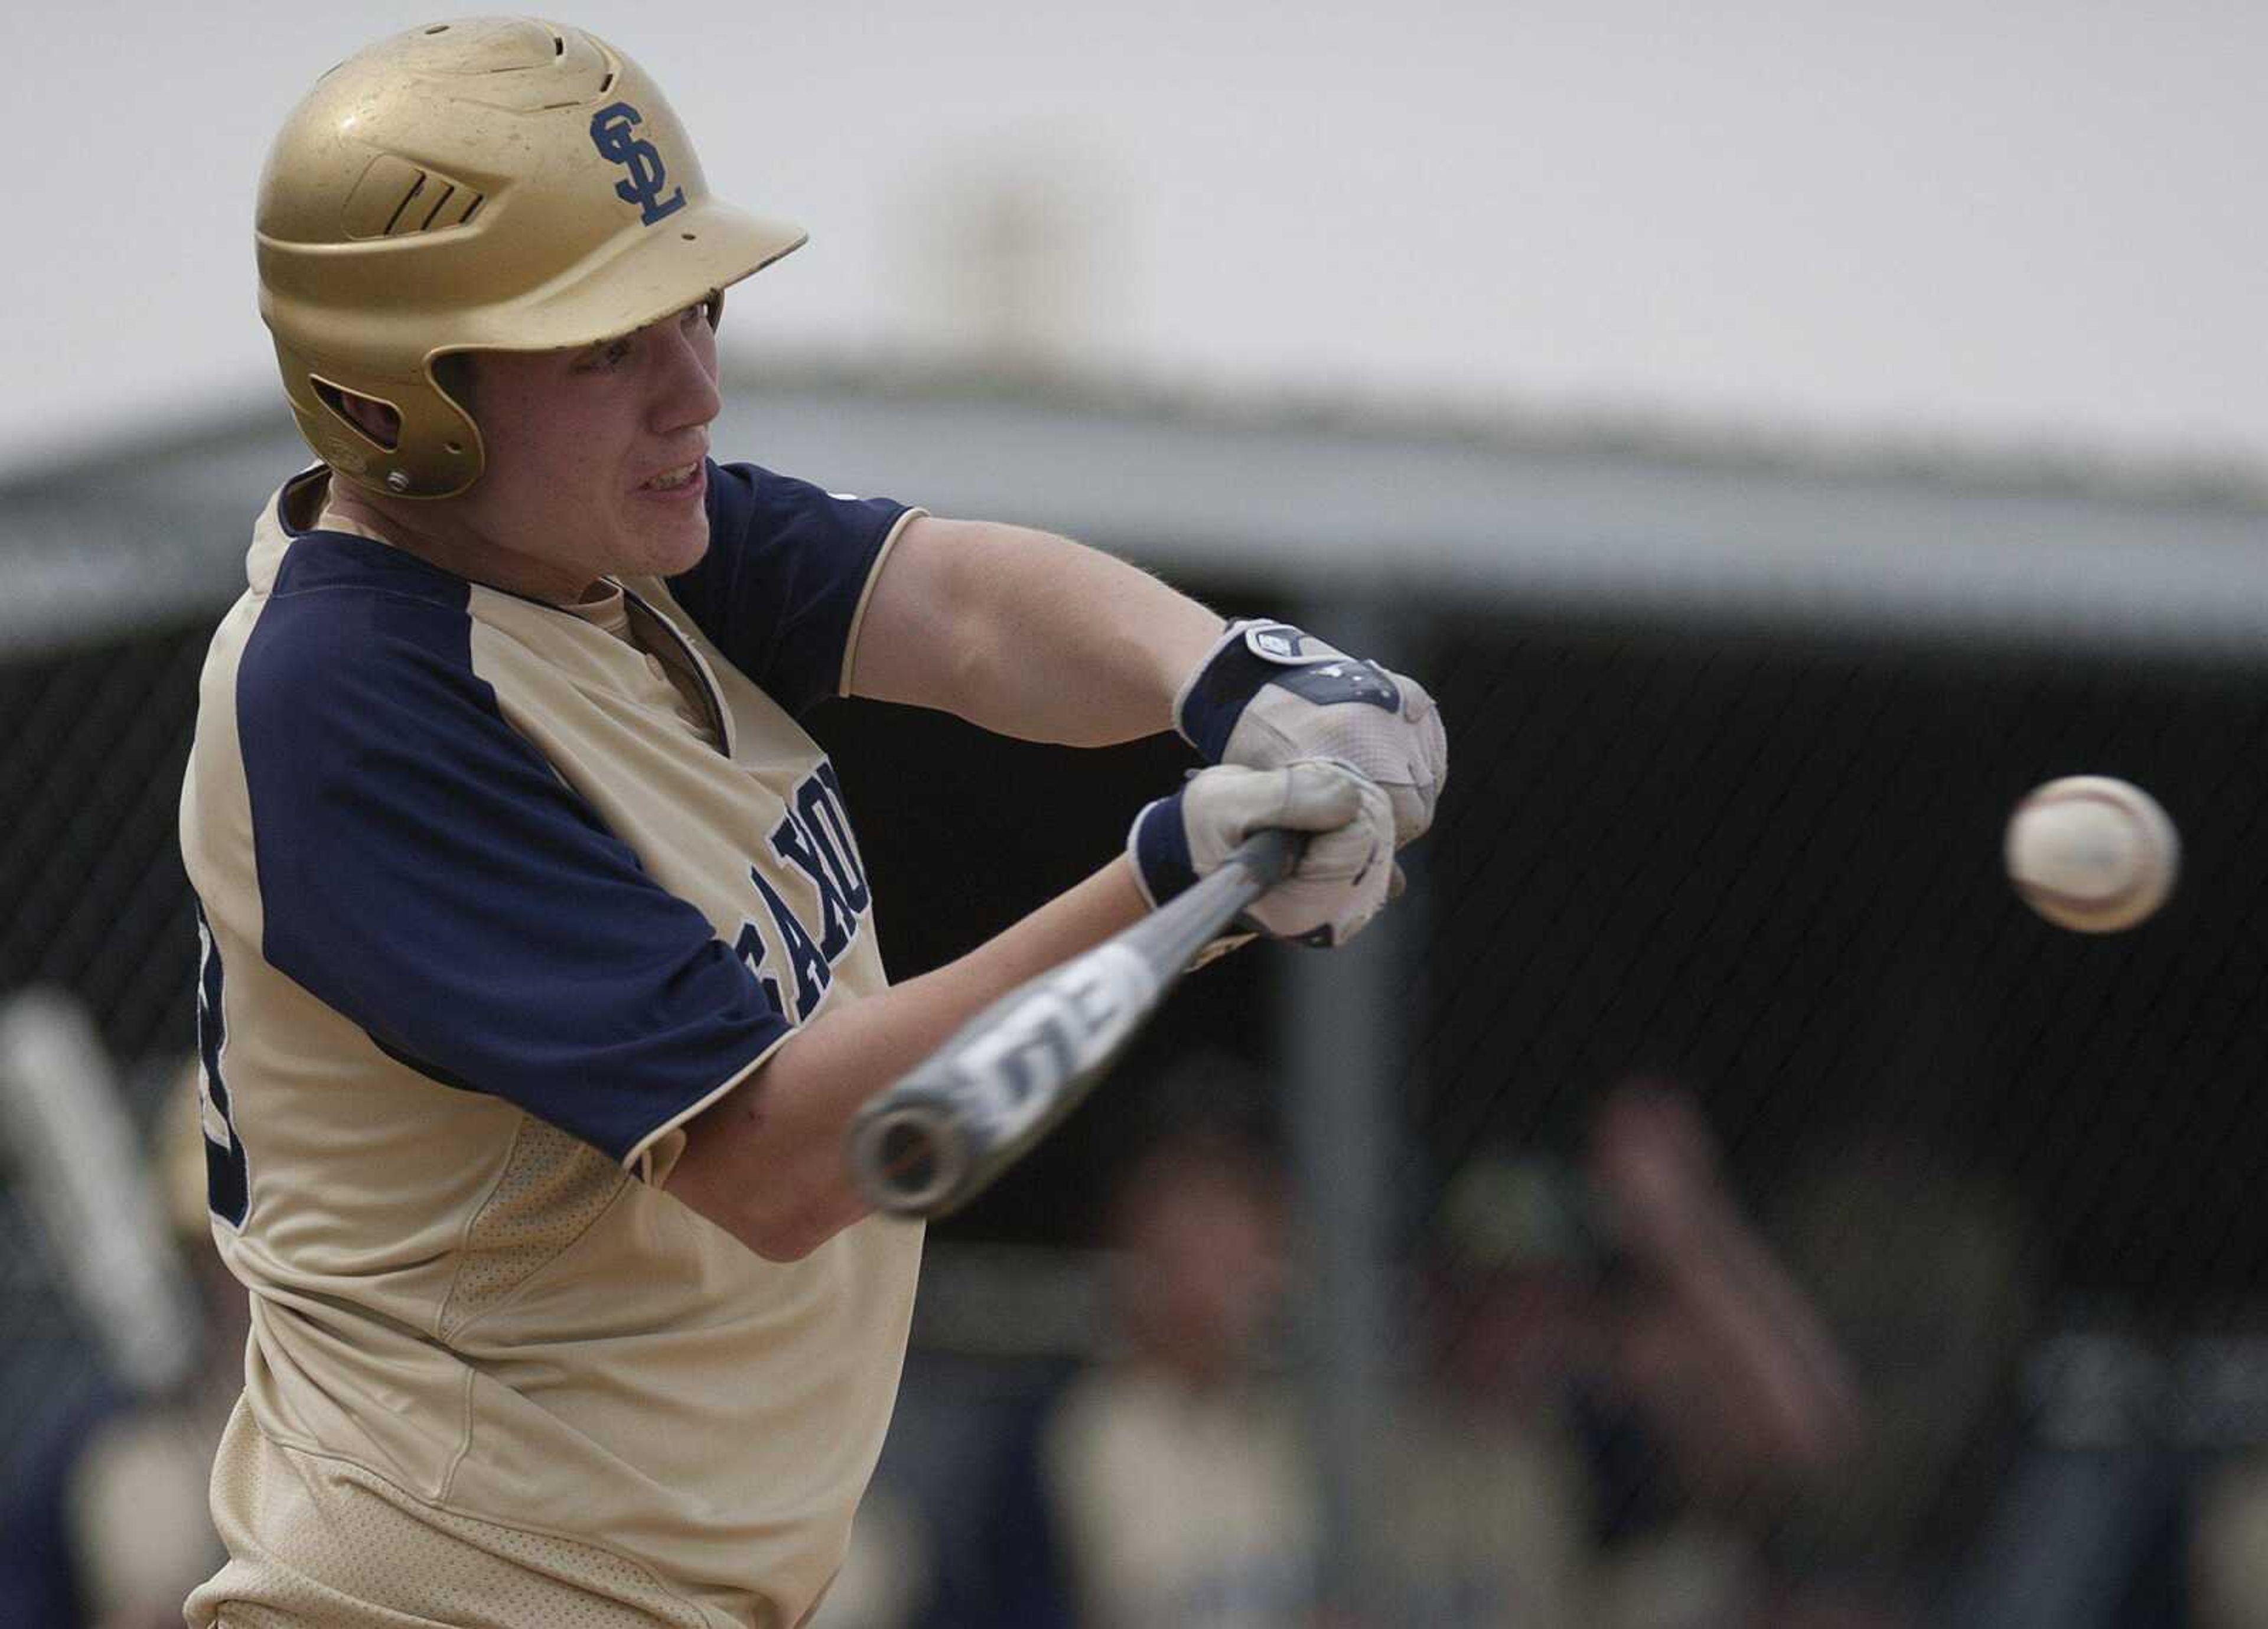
column 453, row 377
column 421, row 442
column 442, row 452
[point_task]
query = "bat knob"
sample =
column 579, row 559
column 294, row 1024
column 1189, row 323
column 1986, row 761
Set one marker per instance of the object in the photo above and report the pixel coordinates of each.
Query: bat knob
column 908, row 1158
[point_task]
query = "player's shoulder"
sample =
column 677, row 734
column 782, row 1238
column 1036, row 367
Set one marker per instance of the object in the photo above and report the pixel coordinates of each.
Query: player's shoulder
column 349, row 630
column 746, row 490
column 751, row 497
column 339, row 601
column 751, row 505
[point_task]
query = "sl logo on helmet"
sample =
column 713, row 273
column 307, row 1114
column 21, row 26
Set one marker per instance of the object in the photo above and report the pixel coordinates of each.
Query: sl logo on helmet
column 610, row 134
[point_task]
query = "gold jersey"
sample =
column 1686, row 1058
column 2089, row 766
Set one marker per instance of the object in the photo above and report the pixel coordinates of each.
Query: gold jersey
column 486, row 920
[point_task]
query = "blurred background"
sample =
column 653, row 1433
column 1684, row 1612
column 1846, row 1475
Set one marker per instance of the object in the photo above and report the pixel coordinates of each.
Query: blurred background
column 1780, row 436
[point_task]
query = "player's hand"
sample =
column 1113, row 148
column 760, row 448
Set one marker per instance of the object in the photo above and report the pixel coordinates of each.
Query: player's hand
column 1269, row 694
column 1341, row 876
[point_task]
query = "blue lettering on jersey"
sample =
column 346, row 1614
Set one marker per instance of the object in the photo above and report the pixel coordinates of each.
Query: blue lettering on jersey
column 821, row 803
column 815, row 838
column 794, row 842
column 811, row 973
column 750, row 948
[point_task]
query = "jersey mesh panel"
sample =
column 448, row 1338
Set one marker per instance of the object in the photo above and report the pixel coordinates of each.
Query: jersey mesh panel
column 554, row 1187
column 356, row 1541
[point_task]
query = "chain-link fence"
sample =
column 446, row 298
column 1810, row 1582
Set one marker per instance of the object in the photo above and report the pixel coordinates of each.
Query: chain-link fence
column 91, row 756
column 1773, row 871
column 1755, row 1157
column 1764, row 874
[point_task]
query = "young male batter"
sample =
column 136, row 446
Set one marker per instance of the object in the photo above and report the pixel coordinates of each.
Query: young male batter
column 539, row 979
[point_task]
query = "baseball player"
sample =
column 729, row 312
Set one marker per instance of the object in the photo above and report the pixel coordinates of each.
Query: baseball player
column 539, row 980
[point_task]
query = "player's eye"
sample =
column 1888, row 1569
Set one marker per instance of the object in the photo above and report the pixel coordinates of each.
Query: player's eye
column 602, row 357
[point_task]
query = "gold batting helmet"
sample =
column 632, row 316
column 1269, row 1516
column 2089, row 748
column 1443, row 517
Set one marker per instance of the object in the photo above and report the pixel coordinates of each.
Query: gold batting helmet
column 488, row 184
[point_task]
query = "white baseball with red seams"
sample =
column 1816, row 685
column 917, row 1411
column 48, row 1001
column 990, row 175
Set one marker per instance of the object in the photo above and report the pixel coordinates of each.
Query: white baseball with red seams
column 2092, row 853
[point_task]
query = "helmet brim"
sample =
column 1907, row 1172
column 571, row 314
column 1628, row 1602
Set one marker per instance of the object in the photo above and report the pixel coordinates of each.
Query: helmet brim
column 684, row 259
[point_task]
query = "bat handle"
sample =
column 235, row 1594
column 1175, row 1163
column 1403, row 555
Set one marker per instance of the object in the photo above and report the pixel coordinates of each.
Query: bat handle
column 1267, row 856
column 1171, row 940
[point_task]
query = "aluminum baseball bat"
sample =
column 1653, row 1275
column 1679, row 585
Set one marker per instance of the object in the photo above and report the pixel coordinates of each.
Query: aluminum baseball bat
column 933, row 1141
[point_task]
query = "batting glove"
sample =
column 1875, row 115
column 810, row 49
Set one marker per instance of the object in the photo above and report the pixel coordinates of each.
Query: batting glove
column 1341, row 878
column 1267, row 694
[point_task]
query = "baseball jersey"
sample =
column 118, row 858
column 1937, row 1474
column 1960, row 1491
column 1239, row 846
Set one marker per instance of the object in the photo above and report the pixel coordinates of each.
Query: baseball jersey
column 485, row 919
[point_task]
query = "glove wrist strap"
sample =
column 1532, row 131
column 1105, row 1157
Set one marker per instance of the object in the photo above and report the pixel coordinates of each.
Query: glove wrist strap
column 1159, row 842
column 1206, row 711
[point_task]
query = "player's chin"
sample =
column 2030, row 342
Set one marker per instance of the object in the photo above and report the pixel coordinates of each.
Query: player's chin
column 671, row 541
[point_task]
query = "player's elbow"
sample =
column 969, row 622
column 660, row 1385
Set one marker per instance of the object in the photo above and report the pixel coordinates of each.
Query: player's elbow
column 767, row 1207
column 765, row 1162
column 786, row 1234
column 777, row 1232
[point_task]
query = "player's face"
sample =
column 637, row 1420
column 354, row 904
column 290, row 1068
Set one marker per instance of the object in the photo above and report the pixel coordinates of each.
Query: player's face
column 594, row 456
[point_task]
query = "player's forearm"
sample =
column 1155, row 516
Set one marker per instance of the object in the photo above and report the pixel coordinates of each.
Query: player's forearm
column 767, row 1162
column 1028, row 635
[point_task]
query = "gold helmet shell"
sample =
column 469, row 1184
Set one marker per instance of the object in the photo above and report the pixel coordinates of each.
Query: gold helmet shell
column 486, row 184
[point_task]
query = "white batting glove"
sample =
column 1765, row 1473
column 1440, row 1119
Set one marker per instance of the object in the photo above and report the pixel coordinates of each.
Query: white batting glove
column 1267, row 694
column 1341, row 878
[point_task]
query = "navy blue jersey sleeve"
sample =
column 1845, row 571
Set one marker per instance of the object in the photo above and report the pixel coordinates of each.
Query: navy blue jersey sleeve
column 424, row 871
column 780, row 586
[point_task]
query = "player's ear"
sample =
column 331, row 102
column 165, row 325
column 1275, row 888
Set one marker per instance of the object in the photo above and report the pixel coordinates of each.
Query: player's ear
column 379, row 421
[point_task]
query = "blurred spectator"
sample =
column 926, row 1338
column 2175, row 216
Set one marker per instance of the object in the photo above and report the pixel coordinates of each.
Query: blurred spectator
column 1482, row 1495
column 1927, row 1271
column 1596, row 1434
column 885, row 1575
column 1168, row 1484
column 1623, row 1383
column 1176, row 1471
column 105, row 1507
column 2228, row 1551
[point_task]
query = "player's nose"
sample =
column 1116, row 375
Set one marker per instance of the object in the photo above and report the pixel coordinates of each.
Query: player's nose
column 685, row 383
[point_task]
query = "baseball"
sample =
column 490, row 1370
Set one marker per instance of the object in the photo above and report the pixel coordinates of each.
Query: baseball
column 2091, row 854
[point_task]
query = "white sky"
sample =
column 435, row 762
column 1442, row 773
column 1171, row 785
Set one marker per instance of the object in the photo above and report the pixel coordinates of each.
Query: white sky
column 2015, row 222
